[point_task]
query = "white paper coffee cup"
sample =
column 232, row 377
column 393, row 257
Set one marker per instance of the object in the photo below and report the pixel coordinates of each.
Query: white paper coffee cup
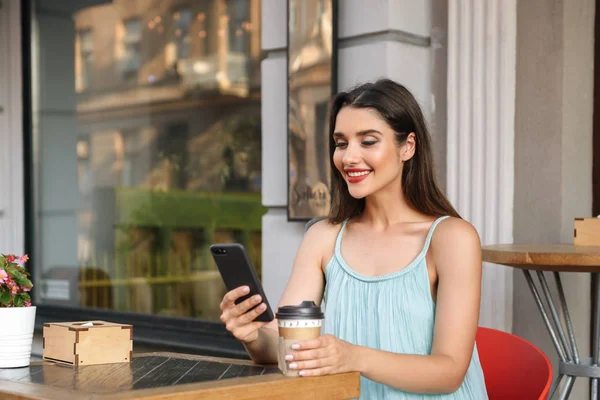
column 296, row 323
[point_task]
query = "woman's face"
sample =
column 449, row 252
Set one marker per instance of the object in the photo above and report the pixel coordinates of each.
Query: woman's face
column 366, row 152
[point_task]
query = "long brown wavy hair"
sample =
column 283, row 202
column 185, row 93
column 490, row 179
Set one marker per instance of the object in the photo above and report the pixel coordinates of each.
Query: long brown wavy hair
column 398, row 107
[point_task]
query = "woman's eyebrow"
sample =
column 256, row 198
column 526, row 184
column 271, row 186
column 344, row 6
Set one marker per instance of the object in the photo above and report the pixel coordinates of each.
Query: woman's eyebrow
column 359, row 133
column 367, row 132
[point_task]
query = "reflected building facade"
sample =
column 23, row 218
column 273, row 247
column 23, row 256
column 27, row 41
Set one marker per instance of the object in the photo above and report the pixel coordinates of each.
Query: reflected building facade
column 166, row 97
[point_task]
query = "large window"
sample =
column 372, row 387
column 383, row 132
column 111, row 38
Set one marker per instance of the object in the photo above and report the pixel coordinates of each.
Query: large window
column 131, row 47
column 84, row 60
column 140, row 163
column 182, row 21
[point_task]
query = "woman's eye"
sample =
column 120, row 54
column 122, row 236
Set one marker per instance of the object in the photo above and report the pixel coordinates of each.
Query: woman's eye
column 340, row 144
column 369, row 142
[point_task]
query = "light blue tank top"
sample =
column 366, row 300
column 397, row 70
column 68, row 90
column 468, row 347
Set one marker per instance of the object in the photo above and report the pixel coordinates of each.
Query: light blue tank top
column 393, row 312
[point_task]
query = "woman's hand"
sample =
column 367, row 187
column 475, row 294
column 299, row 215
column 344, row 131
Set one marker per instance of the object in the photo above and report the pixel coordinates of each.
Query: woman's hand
column 323, row 356
column 237, row 319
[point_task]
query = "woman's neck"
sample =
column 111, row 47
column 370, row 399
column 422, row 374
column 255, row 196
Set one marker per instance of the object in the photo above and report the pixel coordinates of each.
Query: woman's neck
column 384, row 209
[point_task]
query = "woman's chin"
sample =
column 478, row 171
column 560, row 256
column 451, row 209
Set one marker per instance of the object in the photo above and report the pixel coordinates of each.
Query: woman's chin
column 358, row 194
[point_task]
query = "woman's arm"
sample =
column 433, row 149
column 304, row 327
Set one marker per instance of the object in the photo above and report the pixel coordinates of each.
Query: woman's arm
column 306, row 283
column 456, row 252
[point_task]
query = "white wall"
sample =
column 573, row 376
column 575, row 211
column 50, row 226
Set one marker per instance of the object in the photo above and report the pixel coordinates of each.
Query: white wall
column 480, row 156
column 280, row 238
column 553, row 152
column 11, row 132
column 390, row 38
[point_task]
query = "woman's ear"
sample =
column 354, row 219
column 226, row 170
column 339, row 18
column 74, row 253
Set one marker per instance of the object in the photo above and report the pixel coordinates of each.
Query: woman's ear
column 409, row 147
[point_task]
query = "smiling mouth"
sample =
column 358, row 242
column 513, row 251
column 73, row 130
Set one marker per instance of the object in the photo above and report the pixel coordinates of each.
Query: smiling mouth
column 357, row 174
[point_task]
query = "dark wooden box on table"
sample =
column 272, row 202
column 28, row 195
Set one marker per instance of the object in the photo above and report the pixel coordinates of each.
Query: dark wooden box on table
column 87, row 342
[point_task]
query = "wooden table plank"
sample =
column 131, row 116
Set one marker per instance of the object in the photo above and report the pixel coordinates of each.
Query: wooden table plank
column 545, row 257
column 265, row 387
column 92, row 379
column 170, row 376
column 167, row 375
column 15, row 390
column 198, row 373
column 142, row 366
column 20, row 374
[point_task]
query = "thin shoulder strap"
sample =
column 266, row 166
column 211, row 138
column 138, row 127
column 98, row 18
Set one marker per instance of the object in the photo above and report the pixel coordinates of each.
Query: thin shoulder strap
column 338, row 241
column 431, row 230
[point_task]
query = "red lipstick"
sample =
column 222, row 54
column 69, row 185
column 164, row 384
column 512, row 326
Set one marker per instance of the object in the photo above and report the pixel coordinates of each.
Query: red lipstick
column 359, row 178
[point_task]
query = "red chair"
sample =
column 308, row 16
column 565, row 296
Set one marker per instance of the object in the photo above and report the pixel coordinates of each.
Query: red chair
column 513, row 368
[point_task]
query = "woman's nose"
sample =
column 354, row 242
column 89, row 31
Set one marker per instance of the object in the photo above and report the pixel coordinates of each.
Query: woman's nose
column 351, row 155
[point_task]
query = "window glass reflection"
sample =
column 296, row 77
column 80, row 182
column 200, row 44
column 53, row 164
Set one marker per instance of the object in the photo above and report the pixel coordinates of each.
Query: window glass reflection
column 148, row 127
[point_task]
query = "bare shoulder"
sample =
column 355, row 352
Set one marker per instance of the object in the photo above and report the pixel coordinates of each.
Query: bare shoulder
column 453, row 231
column 456, row 240
column 321, row 236
column 322, row 231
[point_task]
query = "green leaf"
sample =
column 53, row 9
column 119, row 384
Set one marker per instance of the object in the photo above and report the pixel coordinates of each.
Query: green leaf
column 5, row 298
column 18, row 300
column 25, row 296
column 18, row 277
column 22, row 281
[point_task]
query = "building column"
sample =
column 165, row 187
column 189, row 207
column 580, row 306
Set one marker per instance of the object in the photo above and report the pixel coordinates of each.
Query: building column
column 11, row 130
column 390, row 38
column 280, row 238
column 480, row 152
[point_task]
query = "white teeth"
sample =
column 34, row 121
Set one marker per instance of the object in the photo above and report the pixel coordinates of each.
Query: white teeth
column 355, row 174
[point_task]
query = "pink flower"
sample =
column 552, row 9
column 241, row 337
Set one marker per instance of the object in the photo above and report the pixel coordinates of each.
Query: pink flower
column 27, row 304
column 10, row 258
column 3, row 275
column 23, row 259
column 26, row 288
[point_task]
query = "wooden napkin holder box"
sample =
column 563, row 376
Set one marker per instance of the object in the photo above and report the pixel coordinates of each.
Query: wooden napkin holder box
column 587, row 232
column 78, row 343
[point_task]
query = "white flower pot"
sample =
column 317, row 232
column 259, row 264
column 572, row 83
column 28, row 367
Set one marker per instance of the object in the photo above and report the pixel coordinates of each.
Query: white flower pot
column 17, row 325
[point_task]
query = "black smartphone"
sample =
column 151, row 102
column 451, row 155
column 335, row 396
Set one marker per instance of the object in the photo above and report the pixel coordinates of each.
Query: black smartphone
column 237, row 270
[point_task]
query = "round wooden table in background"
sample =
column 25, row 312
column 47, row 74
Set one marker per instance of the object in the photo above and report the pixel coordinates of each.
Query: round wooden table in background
column 557, row 258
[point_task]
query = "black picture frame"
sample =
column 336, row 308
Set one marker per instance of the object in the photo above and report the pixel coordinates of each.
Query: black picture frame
column 311, row 83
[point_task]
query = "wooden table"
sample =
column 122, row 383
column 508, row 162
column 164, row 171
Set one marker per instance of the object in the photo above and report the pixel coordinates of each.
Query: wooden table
column 161, row 376
column 557, row 258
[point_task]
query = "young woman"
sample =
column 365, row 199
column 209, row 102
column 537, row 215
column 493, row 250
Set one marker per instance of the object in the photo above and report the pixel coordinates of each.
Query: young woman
column 399, row 270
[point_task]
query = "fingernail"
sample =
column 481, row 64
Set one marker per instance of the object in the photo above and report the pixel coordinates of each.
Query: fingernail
column 293, row 366
column 262, row 306
column 295, row 346
column 301, row 373
column 289, row 357
column 256, row 298
column 245, row 289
